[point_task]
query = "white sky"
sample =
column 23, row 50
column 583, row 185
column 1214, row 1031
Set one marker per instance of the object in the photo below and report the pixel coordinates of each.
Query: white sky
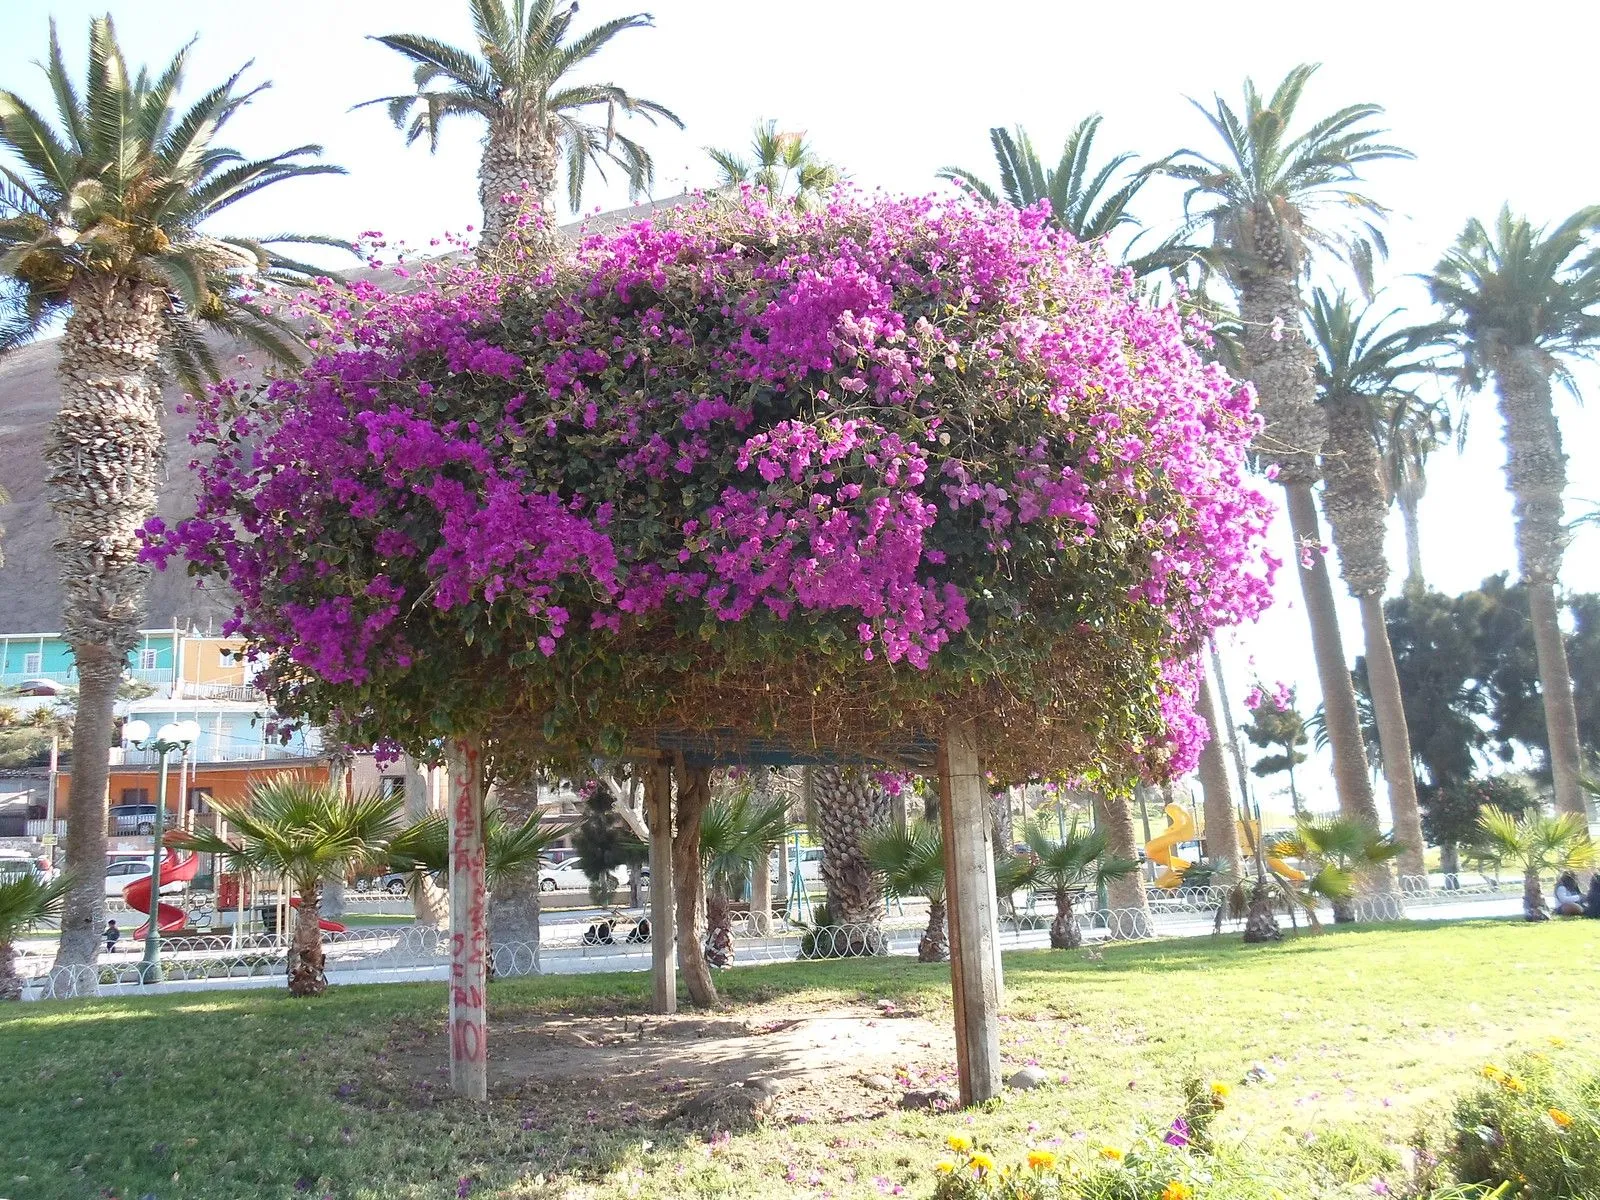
column 892, row 90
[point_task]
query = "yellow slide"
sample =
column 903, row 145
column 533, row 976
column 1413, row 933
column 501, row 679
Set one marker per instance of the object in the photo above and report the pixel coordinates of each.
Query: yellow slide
column 1247, row 836
column 1180, row 828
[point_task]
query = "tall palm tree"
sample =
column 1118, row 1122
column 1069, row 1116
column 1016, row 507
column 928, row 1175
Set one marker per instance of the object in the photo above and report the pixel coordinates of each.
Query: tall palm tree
column 911, row 859
column 782, row 163
column 296, row 829
column 1413, row 428
column 101, row 216
column 25, row 900
column 1269, row 200
column 850, row 805
column 1540, row 845
column 516, row 81
column 1078, row 860
column 1365, row 372
column 737, row 834
column 1089, row 204
column 1523, row 303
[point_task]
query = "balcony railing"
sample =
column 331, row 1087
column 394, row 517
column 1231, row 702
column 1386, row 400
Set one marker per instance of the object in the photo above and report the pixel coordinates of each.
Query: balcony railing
column 221, row 691
column 67, row 678
column 206, row 752
column 40, row 827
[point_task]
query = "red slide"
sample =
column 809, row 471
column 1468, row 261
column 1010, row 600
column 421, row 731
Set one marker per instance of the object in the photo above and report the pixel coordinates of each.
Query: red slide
column 169, row 917
column 322, row 923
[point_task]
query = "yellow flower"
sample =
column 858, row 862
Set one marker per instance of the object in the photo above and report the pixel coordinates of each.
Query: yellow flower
column 1563, row 1119
column 944, row 1166
column 958, row 1143
column 1490, row 1071
column 1512, row 1084
column 1558, row 1042
column 1041, row 1160
column 1110, row 1153
column 1177, row 1190
column 980, row 1162
column 1220, row 1091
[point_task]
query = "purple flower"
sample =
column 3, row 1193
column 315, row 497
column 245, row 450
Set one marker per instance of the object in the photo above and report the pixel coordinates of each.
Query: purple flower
column 1177, row 1133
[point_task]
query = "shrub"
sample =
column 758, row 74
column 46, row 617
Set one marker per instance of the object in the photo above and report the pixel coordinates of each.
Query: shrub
column 1534, row 1122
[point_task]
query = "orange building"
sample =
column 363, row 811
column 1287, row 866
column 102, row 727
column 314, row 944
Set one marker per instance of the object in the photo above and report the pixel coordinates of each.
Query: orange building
column 229, row 782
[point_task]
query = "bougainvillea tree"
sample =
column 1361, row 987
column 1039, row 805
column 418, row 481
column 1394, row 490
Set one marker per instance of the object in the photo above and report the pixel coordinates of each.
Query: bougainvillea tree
column 826, row 477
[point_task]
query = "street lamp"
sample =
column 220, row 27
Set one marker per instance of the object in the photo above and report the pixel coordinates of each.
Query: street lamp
column 178, row 735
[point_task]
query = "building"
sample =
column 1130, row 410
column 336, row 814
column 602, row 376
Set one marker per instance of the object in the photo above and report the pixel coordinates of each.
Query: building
column 26, row 657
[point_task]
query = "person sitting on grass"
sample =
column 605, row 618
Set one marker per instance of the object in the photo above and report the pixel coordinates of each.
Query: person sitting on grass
column 1591, row 906
column 1569, row 899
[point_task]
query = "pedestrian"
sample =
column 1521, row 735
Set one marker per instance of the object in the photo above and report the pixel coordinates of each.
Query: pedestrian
column 111, row 935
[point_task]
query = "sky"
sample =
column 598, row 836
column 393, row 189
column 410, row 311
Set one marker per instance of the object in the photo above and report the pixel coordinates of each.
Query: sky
column 892, row 90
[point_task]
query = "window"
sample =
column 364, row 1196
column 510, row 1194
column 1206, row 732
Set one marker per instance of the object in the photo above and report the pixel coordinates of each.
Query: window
column 32, row 664
column 391, row 786
column 200, row 799
column 147, row 660
column 135, row 796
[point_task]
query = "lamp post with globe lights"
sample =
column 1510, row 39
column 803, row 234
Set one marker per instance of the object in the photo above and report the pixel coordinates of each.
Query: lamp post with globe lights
column 176, row 735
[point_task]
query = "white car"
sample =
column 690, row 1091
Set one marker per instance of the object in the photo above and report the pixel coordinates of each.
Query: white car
column 810, row 863
column 120, row 874
column 567, row 877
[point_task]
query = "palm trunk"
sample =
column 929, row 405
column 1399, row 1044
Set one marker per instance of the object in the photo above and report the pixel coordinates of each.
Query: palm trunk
column 514, row 904
column 514, row 185
column 429, row 901
column 849, row 806
column 10, row 981
column 1260, row 925
column 688, row 878
column 1064, row 931
column 1222, row 831
column 1533, row 908
column 1124, row 896
column 1409, row 497
column 305, row 965
column 935, row 944
column 719, row 930
column 1350, row 777
column 104, row 455
column 1394, row 739
column 1536, row 470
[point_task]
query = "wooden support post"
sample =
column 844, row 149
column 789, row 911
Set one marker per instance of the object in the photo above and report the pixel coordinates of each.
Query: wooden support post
column 663, row 927
column 974, row 929
column 468, row 1011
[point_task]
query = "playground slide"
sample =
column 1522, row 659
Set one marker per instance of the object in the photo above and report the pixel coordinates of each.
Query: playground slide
column 169, row 917
column 1180, row 828
column 323, row 923
column 1247, row 840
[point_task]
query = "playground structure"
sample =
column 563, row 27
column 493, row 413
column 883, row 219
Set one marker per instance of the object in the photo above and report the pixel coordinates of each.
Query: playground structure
column 229, row 900
column 169, row 917
column 1181, row 828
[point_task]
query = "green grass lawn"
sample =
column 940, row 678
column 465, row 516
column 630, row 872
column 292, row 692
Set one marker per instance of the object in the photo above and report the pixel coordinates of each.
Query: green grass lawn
column 1367, row 1035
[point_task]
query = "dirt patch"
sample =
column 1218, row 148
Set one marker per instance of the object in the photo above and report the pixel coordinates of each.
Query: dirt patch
column 696, row 1071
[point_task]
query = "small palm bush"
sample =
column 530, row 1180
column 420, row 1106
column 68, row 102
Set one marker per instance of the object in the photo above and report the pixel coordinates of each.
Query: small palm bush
column 737, row 833
column 1076, row 861
column 912, row 862
column 25, row 901
column 1537, row 843
column 1339, row 851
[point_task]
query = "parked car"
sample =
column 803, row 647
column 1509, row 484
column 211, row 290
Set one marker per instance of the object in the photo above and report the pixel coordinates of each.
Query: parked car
column 133, row 818
column 810, row 863
column 566, row 876
column 120, row 874
column 395, row 883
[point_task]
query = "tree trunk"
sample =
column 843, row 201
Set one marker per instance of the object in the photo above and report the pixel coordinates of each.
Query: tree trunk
column 760, row 870
column 331, row 904
column 471, row 952
column 1394, row 739
column 1536, row 470
column 1409, row 497
column 1222, row 830
column 688, row 877
column 849, row 806
column 429, row 901
column 1260, row 925
column 514, row 905
column 10, row 981
column 935, row 944
column 305, row 965
column 1450, row 864
column 515, row 190
column 1000, row 825
column 1533, row 908
column 1124, row 896
column 785, row 849
column 1333, row 670
column 1344, row 912
column 1064, row 931
column 104, row 457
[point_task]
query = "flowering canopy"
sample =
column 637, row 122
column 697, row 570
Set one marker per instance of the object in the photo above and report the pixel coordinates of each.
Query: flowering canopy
column 829, row 477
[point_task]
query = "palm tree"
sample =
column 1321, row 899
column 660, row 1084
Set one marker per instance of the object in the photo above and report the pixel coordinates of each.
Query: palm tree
column 101, row 220
column 911, row 858
column 25, row 900
column 737, row 834
column 303, row 831
column 1412, row 429
column 1266, row 199
column 1082, row 201
column 1077, row 861
column 850, row 805
column 1540, row 845
column 1339, row 850
column 516, row 82
column 1522, row 303
column 1364, row 374
column 509, row 848
column 782, row 163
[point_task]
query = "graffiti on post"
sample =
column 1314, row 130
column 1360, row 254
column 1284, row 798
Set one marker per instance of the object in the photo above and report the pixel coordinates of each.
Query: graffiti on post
column 468, row 939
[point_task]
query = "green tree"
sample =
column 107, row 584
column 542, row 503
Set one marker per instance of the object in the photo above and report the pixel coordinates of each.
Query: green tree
column 102, row 212
column 1270, row 198
column 1523, row 304
column 1075, row 861
column 1366, row 376
column 1338, row 851
column 25, row 900
column 782, row 163
column 517, row 83
column 911, row 859
column 1275, row 724
column 296, row 829
column 1450, row 811
column 738, row 831
column 1540, row 845
column 605, row 844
